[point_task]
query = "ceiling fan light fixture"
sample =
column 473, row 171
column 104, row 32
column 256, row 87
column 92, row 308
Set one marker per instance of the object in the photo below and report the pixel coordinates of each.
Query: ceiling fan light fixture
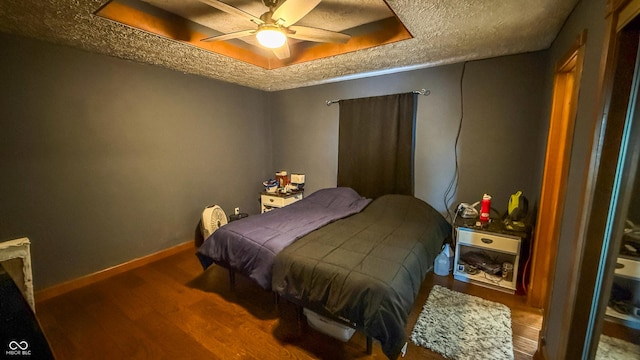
column 271, row 36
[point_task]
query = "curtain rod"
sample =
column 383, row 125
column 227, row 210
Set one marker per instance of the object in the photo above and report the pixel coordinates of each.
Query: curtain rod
column 419, row 92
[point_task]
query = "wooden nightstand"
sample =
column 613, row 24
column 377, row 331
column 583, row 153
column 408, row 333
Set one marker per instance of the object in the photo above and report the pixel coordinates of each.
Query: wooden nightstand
column 491, row 256
column 270, row 201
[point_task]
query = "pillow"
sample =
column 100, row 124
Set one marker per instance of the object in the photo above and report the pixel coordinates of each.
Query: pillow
column 338, row 198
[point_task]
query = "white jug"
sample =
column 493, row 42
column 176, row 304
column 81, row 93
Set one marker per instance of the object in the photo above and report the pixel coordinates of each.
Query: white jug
column 441, row 265
column 446, row 249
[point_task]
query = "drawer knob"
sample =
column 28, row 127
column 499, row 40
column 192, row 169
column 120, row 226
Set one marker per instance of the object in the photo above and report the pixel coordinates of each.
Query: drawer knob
column 271, row 200
column 486, row 241
column 619, row 266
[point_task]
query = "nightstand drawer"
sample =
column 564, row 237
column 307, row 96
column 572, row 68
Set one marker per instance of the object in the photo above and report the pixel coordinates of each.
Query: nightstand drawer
column 274, row 201
column 502, row 243
column 271, row 201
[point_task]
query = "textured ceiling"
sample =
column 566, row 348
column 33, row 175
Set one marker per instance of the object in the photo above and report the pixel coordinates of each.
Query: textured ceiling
column 335, row 15
column 346, row 25
column 444, row 31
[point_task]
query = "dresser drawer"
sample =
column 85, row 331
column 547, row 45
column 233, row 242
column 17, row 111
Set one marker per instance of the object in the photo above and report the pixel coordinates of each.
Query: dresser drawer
column 504, row 243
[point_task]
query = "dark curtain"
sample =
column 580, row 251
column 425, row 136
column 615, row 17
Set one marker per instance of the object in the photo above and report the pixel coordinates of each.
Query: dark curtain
column 376, row 144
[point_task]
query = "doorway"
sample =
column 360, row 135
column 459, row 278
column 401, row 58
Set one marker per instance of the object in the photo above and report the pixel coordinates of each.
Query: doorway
column 583, row 305
column 556, row 167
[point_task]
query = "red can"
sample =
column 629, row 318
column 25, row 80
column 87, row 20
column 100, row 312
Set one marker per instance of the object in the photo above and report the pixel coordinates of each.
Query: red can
column 485, row 207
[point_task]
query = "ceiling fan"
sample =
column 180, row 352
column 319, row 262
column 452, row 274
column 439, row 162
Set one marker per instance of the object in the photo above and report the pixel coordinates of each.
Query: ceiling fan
column 277, row 24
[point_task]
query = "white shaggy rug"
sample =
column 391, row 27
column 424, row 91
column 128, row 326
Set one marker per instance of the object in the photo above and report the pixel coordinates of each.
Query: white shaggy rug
column 615, row 349
column 461, row 326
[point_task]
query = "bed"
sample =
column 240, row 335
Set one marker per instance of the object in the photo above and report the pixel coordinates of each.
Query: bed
column 250, row 245
column 366, row 269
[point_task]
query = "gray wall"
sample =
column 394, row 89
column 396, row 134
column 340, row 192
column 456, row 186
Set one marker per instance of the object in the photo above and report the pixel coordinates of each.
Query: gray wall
column 104, row 160
column 499, row 147
column 587, row 15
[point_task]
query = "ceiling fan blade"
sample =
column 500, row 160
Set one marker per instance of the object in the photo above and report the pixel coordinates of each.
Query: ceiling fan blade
column 232, row 10
column 233, row 35
column 318, row 35
column 290, row 11
column 282, row 52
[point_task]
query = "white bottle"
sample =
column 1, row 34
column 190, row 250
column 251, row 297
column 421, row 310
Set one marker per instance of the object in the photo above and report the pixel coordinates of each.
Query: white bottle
column 441, row 264
column 449, row 252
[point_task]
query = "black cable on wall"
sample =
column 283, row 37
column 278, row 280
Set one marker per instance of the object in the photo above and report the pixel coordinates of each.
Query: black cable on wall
column 450, row 193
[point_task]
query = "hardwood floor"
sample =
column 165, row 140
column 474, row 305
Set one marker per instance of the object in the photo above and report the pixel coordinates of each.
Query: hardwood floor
column 171, row 309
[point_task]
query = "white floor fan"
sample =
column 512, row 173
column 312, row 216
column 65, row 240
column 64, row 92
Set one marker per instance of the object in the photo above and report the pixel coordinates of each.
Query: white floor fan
column 213, row 217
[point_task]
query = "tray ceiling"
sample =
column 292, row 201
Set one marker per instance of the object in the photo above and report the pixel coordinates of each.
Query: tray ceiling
column 386, row 36
column 369, row 23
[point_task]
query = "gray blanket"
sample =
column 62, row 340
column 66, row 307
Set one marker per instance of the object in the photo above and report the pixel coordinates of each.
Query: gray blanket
column 366, row 269
column 250, row 245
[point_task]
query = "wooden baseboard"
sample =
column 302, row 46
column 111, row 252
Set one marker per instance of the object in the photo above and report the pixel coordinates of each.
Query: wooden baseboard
column 53, row 291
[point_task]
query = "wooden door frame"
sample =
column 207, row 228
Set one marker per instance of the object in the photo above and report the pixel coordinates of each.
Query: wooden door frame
column 593, row 243
column 574, row 323
column 567, row 75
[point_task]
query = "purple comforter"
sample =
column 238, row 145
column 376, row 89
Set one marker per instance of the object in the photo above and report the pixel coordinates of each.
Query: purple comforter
column 250, row 245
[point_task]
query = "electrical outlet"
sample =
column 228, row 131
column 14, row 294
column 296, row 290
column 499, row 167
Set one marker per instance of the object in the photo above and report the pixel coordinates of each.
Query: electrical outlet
column 236, row 211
